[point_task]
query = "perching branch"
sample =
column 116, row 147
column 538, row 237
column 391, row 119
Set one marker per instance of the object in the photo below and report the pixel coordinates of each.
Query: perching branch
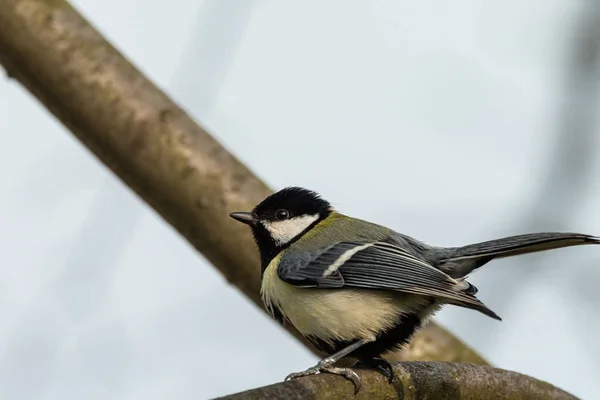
column 152, row 144
column 415, row 381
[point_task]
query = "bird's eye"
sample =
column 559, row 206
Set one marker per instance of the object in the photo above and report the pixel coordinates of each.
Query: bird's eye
column 280, row 215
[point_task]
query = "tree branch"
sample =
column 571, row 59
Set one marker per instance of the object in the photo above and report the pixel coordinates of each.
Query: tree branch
column 152, row 144
column 415, row 381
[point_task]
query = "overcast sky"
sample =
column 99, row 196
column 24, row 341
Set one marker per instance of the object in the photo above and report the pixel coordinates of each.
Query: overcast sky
column 442, row 120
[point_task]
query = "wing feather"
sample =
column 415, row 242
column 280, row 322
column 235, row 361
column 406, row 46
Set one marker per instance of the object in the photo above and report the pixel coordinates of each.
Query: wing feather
column 380, row 266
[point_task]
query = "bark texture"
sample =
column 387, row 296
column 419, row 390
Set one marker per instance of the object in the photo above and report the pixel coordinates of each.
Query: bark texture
column 153, row 145
column 415, row 381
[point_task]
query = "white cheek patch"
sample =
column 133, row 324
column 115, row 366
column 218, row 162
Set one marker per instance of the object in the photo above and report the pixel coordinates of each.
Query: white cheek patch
column 284, row 231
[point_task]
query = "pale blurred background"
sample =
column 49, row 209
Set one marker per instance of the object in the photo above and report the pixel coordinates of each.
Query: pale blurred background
column 453, row 122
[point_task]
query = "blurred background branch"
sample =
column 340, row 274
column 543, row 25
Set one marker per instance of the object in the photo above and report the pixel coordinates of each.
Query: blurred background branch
column 205, row 63
column 151, row 144
column 414, row 382
column 568, row 166
column 571, row 155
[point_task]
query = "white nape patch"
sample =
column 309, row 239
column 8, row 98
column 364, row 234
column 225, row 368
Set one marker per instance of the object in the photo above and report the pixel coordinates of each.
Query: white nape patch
column 343, row 258
column 284, row 231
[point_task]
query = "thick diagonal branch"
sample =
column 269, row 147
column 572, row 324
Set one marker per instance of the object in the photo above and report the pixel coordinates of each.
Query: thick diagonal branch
column 151, row 143
column 415, row 381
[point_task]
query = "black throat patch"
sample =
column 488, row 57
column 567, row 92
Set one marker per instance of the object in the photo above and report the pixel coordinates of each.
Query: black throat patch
column 296, row 202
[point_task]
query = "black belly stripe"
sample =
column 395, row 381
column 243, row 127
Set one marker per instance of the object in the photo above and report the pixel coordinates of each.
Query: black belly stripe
column 391, row 339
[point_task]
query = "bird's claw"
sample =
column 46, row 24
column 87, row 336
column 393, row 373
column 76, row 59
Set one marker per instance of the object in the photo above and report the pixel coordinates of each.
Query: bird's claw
column 346, row 373
column 308, row 372
column 379, row 364
column 327, row 367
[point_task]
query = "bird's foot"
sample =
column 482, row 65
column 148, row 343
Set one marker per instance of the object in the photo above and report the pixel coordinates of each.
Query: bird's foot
column 379, row 364
column 327, row 366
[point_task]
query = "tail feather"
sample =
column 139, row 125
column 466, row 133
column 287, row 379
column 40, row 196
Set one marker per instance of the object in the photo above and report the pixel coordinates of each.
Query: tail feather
column 458, row 262
column 475, row 304
column 522, row 244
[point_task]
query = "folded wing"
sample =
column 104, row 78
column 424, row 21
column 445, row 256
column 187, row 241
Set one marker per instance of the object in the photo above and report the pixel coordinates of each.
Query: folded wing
column 377, row 266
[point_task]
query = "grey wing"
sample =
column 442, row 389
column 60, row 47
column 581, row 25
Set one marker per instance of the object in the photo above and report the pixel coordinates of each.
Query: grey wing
column 376, row 265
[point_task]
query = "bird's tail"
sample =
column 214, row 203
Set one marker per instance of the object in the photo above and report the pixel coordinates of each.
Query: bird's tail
column 460, row 261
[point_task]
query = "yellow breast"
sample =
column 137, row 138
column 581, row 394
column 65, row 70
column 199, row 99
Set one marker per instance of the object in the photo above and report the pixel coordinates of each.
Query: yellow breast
column 335, row 314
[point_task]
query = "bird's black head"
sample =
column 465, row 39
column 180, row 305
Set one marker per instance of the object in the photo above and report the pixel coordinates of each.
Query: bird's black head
column 282, row 218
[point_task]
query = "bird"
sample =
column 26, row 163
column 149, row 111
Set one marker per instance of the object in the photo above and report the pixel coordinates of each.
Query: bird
column 358, row 289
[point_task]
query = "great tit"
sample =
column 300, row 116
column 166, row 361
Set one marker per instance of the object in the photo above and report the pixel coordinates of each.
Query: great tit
column 354, row 288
